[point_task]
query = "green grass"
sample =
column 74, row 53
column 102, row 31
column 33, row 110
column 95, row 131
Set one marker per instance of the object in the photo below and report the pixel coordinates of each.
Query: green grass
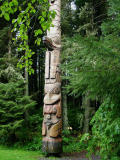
column 18, row 154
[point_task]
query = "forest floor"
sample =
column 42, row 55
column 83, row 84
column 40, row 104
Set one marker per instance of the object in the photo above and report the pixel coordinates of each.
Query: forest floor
column 19, row 154
column 72, row 156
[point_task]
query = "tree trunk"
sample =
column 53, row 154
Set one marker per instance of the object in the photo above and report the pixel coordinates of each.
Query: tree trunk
column 89, row 112
column 86, row 105
column 26, row 84
column 65, row 112
column 9, row 43
column 26, row 81
column 52, row 123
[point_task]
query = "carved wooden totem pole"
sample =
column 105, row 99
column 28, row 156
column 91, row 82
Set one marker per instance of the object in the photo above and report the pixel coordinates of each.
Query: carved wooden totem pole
column 52, row 123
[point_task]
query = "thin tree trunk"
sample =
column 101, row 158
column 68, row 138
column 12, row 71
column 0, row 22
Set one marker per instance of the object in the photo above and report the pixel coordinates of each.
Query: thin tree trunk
column 86, row 105
column 89, row 112
column 27, row 81
column 26, row 84
column 9, row 43
column 52, row 123
column 65, row 111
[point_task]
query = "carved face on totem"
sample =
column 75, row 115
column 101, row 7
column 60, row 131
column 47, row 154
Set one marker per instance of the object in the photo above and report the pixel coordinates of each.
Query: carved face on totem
column 51, row 113
column 52, row 123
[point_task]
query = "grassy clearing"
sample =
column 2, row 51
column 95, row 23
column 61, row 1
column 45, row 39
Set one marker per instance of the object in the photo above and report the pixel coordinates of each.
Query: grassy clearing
column 18, row 154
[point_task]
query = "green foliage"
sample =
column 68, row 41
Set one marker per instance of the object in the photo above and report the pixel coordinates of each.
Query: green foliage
column 97, row 68
column 88, row 26
column 35, row 144
column 67, row 17
column 14, row 123
column 93, row 66
column 106, row 131
column 76, row 122
column 3, row 39
column 71, row 143
column 93, row 63
column 20, row 118
column 85, row 138
column 23, row 12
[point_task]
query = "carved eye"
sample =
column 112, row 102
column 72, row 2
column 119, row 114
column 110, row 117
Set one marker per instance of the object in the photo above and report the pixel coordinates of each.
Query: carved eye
column 52, row 1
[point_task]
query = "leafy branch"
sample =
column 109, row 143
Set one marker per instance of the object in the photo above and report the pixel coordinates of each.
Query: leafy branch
column 20, row 14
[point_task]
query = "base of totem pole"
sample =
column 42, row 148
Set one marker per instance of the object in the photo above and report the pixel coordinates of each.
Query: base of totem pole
column 52, row 145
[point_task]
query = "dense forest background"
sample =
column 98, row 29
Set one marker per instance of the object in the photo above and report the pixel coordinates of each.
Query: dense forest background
column 90, row 65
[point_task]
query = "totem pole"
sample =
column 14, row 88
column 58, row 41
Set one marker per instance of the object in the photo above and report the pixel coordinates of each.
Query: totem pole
column 52, row 123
